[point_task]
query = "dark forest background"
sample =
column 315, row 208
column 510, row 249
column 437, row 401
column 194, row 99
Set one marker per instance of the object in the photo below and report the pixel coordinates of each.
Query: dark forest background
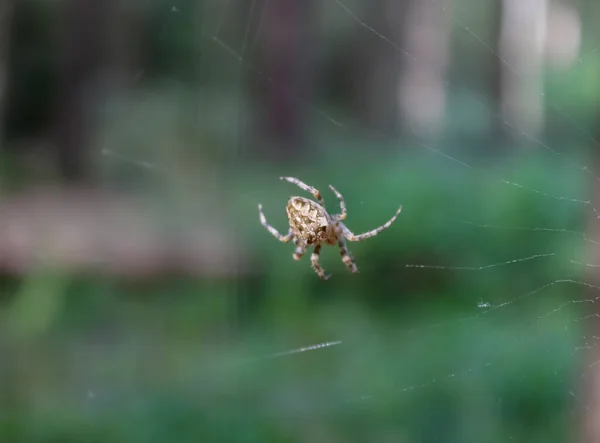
column 142, row 301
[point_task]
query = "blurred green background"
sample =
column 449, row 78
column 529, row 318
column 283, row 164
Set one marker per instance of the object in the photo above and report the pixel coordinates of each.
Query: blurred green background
column 468, row 321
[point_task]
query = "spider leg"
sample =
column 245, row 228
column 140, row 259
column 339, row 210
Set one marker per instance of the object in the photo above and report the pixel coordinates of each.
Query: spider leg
column 272, row 230
column 341, row 216
column 314, row 260
column 350, row 236
column 346, row 256
column 315, row 192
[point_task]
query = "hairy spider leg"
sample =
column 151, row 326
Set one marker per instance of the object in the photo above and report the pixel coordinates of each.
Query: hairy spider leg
column 346, row 256
column 350, row 236
column 314, row 260
column 315, row 192
column 339, row 196
column 272, row 230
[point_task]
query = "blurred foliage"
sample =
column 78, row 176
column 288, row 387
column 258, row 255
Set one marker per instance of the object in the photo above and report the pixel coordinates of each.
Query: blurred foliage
column 425, row 353
column 483, row 353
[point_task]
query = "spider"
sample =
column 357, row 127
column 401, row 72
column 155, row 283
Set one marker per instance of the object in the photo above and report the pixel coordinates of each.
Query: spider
column 312, row 225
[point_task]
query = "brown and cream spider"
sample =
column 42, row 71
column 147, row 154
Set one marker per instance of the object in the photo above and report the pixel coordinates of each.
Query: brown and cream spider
column 312, row 225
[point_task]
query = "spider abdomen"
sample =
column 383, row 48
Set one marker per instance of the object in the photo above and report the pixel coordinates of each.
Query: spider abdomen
column 308, row 220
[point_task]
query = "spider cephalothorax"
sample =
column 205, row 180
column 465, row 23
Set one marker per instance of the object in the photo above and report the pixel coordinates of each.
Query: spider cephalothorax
column 311, row 225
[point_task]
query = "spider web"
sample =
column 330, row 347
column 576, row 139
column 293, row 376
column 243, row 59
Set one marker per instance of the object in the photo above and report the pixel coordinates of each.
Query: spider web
column 535, row 335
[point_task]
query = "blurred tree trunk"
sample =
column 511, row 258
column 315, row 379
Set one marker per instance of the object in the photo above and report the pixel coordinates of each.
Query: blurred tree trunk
column 590, row 386
column 101, row 57
column 124, row 46
column 402, row 86
column 283, row 31
column 522, row 40
column 589, row 391
column 533, row 33
column 6, row 9
column 380, row 64
column 499, row 130
column 85, row 28
column 422, row 92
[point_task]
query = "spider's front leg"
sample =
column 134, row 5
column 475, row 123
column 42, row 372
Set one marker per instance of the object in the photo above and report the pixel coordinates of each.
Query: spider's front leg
column 350, row 236
column 315, row 192
column 339, row 196
column 272, row 230
column 314, row 260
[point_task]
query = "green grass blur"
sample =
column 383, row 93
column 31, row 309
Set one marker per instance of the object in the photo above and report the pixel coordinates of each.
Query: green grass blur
column 425, row 354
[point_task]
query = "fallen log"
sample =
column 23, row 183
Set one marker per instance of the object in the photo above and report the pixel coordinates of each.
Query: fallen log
column 103, row 233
